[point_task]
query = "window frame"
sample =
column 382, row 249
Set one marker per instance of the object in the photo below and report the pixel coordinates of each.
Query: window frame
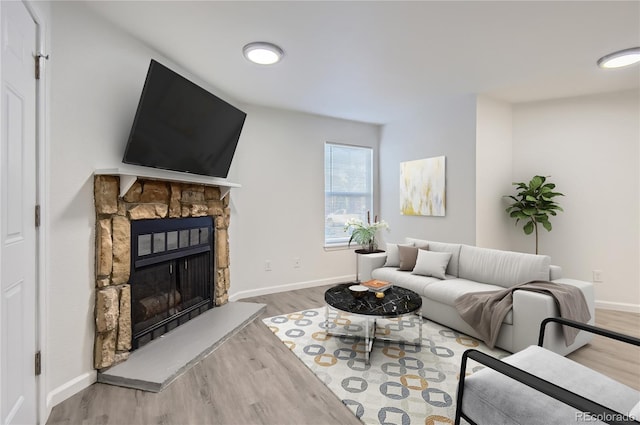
column 342, row 242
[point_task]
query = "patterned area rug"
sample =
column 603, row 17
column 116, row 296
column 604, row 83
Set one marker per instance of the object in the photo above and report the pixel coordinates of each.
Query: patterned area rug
column 403, row 384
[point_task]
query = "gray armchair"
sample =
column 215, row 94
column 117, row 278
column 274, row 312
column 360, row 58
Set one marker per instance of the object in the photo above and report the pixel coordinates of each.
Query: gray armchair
column 537, row 386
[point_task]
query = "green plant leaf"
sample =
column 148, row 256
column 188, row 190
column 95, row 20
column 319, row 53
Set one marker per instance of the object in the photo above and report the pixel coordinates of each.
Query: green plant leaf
column 533, row 203
column 528, row 228
column 536, row 182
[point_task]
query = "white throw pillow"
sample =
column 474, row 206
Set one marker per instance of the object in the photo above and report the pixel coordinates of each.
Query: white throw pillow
column 430, row 263
column 393, row 256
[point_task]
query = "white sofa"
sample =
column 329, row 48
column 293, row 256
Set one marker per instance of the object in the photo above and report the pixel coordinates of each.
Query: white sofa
column 474, row 269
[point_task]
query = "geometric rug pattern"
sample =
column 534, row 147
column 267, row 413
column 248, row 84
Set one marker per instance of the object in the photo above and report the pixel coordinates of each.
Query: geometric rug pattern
column 403, row 384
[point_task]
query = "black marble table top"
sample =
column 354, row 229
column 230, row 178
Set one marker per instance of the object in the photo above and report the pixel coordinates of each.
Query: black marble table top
column 397, row 301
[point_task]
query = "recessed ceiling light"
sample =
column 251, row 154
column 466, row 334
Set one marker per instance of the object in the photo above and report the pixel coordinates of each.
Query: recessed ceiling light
column 620, row 58
column 262, row 53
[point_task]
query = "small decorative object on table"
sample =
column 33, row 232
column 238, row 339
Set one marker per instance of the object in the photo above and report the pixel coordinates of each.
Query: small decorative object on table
column 376, row 285
column 358, row 291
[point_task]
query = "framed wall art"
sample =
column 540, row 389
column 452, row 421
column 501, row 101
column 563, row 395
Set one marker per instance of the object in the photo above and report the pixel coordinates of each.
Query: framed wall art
column 422, row 187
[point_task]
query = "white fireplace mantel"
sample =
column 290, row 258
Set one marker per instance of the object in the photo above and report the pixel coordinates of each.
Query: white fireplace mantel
column 130, row 173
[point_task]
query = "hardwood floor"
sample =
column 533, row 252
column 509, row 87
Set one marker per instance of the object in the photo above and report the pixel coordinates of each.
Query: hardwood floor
column 250, row 379
column 254, row 379
column 615, row 359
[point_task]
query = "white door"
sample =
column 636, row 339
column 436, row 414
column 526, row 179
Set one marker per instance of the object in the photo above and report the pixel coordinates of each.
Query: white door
column 18, row 402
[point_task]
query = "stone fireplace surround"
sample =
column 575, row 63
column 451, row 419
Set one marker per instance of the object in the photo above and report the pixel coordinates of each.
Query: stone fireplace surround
column 145, row 199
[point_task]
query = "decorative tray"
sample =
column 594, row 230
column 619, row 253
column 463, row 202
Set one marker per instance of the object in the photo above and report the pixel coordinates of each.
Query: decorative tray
column 377, row 285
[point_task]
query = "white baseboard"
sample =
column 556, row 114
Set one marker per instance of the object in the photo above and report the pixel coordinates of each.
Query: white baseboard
column 66, row 390
column 290, row 287
column 608, row 305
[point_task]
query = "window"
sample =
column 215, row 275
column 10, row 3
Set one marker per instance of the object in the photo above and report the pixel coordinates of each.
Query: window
column 348, row 188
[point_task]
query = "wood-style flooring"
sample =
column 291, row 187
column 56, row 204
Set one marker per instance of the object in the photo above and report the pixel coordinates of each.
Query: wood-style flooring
column 254, row 379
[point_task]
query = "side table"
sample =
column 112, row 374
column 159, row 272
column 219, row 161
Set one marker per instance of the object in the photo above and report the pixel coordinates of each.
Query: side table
column 360, row 252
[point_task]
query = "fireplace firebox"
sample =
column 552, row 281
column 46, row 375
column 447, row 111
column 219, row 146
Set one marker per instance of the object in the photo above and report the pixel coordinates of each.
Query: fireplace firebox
column 172, row 270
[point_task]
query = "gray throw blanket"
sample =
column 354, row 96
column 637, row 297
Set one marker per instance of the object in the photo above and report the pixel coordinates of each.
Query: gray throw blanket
column 485, row 311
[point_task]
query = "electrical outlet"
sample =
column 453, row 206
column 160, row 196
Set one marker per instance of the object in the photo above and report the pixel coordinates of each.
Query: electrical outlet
column 297, row 263
column 267, row 265
column 597, row 275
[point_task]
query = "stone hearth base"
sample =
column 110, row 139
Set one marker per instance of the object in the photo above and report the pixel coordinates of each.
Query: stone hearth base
column 157, row 364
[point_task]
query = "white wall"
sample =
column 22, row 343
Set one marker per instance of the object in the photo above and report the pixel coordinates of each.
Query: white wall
column 279, row 211
column 96, row 77
column 493, row 172
column 444, row 126
column 97, row 74
column 590, row 148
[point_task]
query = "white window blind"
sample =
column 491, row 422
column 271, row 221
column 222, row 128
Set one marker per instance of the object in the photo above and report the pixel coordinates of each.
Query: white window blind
column 348, row 188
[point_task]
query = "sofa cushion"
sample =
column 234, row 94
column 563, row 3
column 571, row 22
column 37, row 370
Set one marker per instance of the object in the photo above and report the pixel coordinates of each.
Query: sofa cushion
column 503, row 268
column 393, row 256
column 634, row 412
column 418, row 243
column 492, row 398
column 408, row 256
column 404, row 279
column 454, row 249
column 446, row 292
column 430, row 263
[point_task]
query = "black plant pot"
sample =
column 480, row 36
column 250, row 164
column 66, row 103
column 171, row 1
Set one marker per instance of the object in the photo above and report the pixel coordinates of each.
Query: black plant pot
column 367, row 251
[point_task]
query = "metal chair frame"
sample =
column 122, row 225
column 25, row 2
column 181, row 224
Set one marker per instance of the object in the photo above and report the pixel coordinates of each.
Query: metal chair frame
column 563, row 395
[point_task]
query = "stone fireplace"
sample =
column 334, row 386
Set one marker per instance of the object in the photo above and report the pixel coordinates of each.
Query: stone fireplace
column 146, row 199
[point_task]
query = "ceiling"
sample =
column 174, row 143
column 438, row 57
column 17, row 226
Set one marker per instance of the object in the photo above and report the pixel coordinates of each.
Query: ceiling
column 378, row 61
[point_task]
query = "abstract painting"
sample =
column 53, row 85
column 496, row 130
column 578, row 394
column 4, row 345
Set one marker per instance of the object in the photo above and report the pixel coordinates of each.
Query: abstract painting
column 422, row 187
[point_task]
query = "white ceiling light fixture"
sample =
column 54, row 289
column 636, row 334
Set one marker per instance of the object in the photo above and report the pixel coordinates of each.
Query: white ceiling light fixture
column 620, row 58
column 263, row 53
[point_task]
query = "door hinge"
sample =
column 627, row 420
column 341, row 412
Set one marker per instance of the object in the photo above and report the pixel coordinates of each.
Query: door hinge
column 37, row 215
column 37, row 58
column 38, row 363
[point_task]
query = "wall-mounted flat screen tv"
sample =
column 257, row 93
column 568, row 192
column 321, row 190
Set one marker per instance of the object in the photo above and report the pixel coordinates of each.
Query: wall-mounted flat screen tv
column 182, row 127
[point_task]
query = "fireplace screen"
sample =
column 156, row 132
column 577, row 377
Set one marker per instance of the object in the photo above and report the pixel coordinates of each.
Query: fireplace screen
column 172, row 274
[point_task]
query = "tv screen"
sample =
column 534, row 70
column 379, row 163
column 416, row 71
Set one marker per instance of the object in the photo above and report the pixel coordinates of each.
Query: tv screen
column 182, row 127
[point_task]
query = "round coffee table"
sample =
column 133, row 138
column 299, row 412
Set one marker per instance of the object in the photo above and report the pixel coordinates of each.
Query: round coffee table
column 397, row 302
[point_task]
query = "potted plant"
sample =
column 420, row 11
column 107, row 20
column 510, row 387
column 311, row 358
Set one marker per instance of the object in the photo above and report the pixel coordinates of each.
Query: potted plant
column 364, row 234
column 534, row 204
